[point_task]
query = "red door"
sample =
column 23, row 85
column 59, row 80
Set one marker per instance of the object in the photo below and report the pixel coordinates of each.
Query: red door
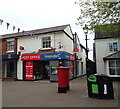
column 29, row 70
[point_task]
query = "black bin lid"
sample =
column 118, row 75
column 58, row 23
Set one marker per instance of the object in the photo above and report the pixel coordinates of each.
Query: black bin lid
column 100, row 75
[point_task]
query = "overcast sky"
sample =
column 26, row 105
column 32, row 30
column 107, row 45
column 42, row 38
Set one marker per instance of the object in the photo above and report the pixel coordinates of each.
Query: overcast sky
column 36, row 14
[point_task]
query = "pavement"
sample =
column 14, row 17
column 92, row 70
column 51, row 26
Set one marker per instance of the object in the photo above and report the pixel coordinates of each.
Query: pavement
column 43, row 93
column 0, row 93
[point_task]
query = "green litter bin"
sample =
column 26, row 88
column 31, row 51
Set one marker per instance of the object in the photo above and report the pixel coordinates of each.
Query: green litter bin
column 100, row 86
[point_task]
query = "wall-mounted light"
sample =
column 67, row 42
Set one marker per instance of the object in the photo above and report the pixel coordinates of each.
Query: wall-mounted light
column 60, row 45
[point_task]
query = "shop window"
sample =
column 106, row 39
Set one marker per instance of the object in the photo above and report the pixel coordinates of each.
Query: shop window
column 10, row 46
column 81, row 67
column 114, row 67
column 46, row 42
column 113, row 46
column 54, row 70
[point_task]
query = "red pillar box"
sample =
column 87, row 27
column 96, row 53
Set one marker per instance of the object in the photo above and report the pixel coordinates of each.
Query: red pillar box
column 63, row 79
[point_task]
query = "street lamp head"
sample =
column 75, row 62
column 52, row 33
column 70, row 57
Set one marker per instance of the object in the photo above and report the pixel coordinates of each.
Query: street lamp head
column 85, row 29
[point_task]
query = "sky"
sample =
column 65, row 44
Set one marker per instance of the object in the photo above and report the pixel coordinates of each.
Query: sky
column 36, row 14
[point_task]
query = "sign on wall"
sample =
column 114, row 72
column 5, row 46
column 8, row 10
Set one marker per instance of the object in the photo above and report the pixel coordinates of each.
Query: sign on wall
column 76, row 50
column 31, row 57
column 72, row 57
column 50, row 56
column 47, row 56
column 29, row 70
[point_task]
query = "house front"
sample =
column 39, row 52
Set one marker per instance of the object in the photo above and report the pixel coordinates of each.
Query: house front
column 45, row 50
column 40, row 52
column 9, row 58
column 108, row 54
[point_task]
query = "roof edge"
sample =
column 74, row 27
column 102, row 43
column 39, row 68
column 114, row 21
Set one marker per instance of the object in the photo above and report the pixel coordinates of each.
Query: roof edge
column 106, row 58
column 36, row 29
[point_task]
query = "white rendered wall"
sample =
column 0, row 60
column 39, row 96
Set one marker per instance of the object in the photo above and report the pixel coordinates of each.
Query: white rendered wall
column 19, row 69
column 102, row 50
column 82, row 58
column 32, row 44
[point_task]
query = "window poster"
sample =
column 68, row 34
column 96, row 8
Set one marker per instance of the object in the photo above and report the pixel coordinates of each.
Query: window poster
column 54, row 70
column 29, row 70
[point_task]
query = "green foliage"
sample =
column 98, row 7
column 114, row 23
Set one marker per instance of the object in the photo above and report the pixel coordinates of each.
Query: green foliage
column 108, row 30
column 98, row 12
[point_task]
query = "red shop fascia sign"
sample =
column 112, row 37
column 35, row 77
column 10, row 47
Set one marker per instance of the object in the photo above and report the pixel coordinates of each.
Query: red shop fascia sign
column 31, row 57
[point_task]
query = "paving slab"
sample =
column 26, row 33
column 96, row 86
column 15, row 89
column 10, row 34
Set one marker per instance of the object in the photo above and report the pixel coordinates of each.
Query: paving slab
column 43, row 93
column 0, row 93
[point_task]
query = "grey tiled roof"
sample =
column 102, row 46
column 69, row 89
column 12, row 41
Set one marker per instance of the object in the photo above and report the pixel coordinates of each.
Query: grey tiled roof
column 115, row 55
column 35, row 32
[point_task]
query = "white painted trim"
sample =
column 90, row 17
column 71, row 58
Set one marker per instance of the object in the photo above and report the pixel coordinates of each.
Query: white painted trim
column 9, row 51
column 107, row 67
column 46, row 48
column 114, row 75
column 10, row 39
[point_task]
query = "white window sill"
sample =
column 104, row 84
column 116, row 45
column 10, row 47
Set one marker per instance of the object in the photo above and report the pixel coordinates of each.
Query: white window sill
column 114, row 75
column 9, row 51
column 46, row 48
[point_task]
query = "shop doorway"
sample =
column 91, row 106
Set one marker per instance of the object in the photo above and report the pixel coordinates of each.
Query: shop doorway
column 10, row 69
column 41, row 69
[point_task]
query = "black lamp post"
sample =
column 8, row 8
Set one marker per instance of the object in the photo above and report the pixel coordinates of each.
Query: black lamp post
column 85, row 29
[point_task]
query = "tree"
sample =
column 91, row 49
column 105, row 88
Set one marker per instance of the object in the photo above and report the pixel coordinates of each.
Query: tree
column 97, row 13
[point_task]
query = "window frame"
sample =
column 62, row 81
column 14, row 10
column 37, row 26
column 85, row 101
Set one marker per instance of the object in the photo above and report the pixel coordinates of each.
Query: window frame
column 115, row 67
column 113, row 46
column 10, row 45
column 46, row 43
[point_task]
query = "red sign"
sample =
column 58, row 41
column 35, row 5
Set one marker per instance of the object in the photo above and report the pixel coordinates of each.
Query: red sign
column 29, row 70
column 21, row 48
column 72, row 57
column 31, row 57
column 76, row 50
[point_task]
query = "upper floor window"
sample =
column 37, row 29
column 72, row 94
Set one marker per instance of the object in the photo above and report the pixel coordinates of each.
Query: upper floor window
column 113, row 46
column 46, row 42
column 10, row 45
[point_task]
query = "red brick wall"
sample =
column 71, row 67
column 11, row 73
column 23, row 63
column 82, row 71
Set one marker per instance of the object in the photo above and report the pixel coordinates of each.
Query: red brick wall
column 0, row 46
column 4, row 46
